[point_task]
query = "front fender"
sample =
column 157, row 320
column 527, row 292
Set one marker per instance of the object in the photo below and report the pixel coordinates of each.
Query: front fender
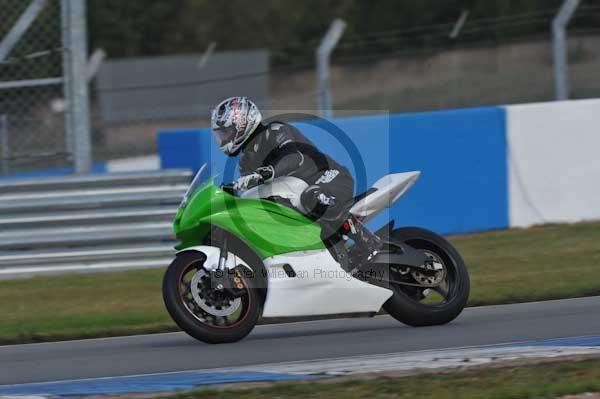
column 212, row 257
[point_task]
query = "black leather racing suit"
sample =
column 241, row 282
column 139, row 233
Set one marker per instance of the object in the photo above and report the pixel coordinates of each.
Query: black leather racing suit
column 283, row 148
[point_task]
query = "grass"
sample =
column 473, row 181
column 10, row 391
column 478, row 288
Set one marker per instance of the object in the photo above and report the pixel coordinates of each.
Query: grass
column 82, row 306
column 550, row 262
column 539, row 381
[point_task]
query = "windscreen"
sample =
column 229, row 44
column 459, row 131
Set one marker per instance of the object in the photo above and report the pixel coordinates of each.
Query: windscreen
column 196, row 182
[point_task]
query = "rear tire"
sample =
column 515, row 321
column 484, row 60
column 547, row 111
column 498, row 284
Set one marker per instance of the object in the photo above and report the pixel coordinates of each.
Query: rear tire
column 191, row 324
column 408, row 309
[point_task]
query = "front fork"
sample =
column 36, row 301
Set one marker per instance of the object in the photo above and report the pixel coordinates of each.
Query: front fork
column 223, row 253
column 224, row 279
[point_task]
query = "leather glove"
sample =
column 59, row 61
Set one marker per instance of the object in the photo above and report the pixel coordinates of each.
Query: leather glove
column 248, row 181
column 267, row 173
column 262, row 175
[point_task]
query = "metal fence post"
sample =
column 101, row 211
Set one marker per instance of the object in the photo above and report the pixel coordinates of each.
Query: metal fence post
column 77, row 116
column 323, row 56
column 460, row 23
column 559, row 32
column 21, row 26
column 4, row 143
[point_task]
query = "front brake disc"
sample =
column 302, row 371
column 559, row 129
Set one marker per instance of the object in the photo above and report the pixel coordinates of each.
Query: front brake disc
column 204, row 303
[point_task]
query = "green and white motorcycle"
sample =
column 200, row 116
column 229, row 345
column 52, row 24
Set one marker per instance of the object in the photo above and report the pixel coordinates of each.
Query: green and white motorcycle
column 243, row 257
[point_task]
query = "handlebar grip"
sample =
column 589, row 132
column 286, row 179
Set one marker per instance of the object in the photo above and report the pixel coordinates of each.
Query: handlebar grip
column 228, row 188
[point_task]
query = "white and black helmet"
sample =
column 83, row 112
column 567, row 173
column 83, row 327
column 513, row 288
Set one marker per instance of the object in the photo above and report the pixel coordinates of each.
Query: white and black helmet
column 233, row 121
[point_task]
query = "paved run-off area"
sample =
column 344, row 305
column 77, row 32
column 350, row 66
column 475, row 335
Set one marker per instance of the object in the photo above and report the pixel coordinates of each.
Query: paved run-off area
column 304, row 350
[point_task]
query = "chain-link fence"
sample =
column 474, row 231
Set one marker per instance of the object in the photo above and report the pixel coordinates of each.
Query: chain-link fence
column 32, row 133
column 481, row 62
column 485, row 62
column 472, row 62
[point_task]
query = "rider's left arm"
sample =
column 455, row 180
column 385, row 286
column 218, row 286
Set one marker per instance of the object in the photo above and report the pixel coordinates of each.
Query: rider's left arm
column 285, row 158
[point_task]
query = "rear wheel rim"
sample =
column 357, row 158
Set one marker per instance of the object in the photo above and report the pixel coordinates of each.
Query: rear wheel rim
column 447, row 291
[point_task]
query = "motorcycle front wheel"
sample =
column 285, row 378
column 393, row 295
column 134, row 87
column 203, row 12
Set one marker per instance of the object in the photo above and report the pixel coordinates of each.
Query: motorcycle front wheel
column 203, row 312
column 439, row 303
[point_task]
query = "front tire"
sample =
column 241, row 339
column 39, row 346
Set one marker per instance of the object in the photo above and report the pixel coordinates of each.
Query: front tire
column 406, row 305
column 194, row 317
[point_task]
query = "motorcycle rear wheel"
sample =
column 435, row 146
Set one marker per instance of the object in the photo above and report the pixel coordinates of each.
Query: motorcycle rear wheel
column 197, row 313
column 407, row 304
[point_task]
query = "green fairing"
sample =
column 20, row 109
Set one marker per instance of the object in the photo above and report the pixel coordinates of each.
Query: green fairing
column 266, row 227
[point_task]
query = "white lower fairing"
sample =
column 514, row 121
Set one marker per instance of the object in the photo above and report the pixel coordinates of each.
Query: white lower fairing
column 320, row 287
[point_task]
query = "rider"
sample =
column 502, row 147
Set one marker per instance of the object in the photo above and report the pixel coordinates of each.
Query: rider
column 275, row 149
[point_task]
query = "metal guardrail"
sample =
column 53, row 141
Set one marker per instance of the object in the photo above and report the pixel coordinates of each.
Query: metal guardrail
column 88, row 223
column 74, row 218
column 77, row 182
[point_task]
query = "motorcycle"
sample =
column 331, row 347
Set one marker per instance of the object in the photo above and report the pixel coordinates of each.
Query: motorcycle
column 243, row 256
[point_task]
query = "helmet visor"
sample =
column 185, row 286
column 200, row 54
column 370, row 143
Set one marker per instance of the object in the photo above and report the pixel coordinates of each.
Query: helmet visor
column 224, row 135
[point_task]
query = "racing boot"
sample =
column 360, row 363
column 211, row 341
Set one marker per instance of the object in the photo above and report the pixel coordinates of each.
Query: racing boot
column 367, row 244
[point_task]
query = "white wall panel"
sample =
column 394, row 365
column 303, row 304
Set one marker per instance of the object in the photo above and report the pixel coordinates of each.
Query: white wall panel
column 554, row 162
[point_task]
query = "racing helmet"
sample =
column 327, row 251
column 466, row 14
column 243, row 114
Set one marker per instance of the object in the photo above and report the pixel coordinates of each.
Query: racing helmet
column 233, row 121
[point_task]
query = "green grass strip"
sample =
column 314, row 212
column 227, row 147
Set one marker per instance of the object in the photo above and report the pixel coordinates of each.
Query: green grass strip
column 551, row 262
column 525, row 382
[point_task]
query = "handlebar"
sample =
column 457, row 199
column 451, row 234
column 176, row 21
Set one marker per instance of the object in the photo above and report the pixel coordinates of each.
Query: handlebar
column 228, row 188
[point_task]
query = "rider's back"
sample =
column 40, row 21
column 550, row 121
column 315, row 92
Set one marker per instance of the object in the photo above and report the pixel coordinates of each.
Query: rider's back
column 284, row 148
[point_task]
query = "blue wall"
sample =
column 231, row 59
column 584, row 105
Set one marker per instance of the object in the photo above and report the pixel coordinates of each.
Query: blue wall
column 184, row 148
column 462, row 155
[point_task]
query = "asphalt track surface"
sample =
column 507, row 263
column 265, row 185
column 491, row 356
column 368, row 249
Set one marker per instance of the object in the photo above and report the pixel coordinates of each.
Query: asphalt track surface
column 158, row 353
